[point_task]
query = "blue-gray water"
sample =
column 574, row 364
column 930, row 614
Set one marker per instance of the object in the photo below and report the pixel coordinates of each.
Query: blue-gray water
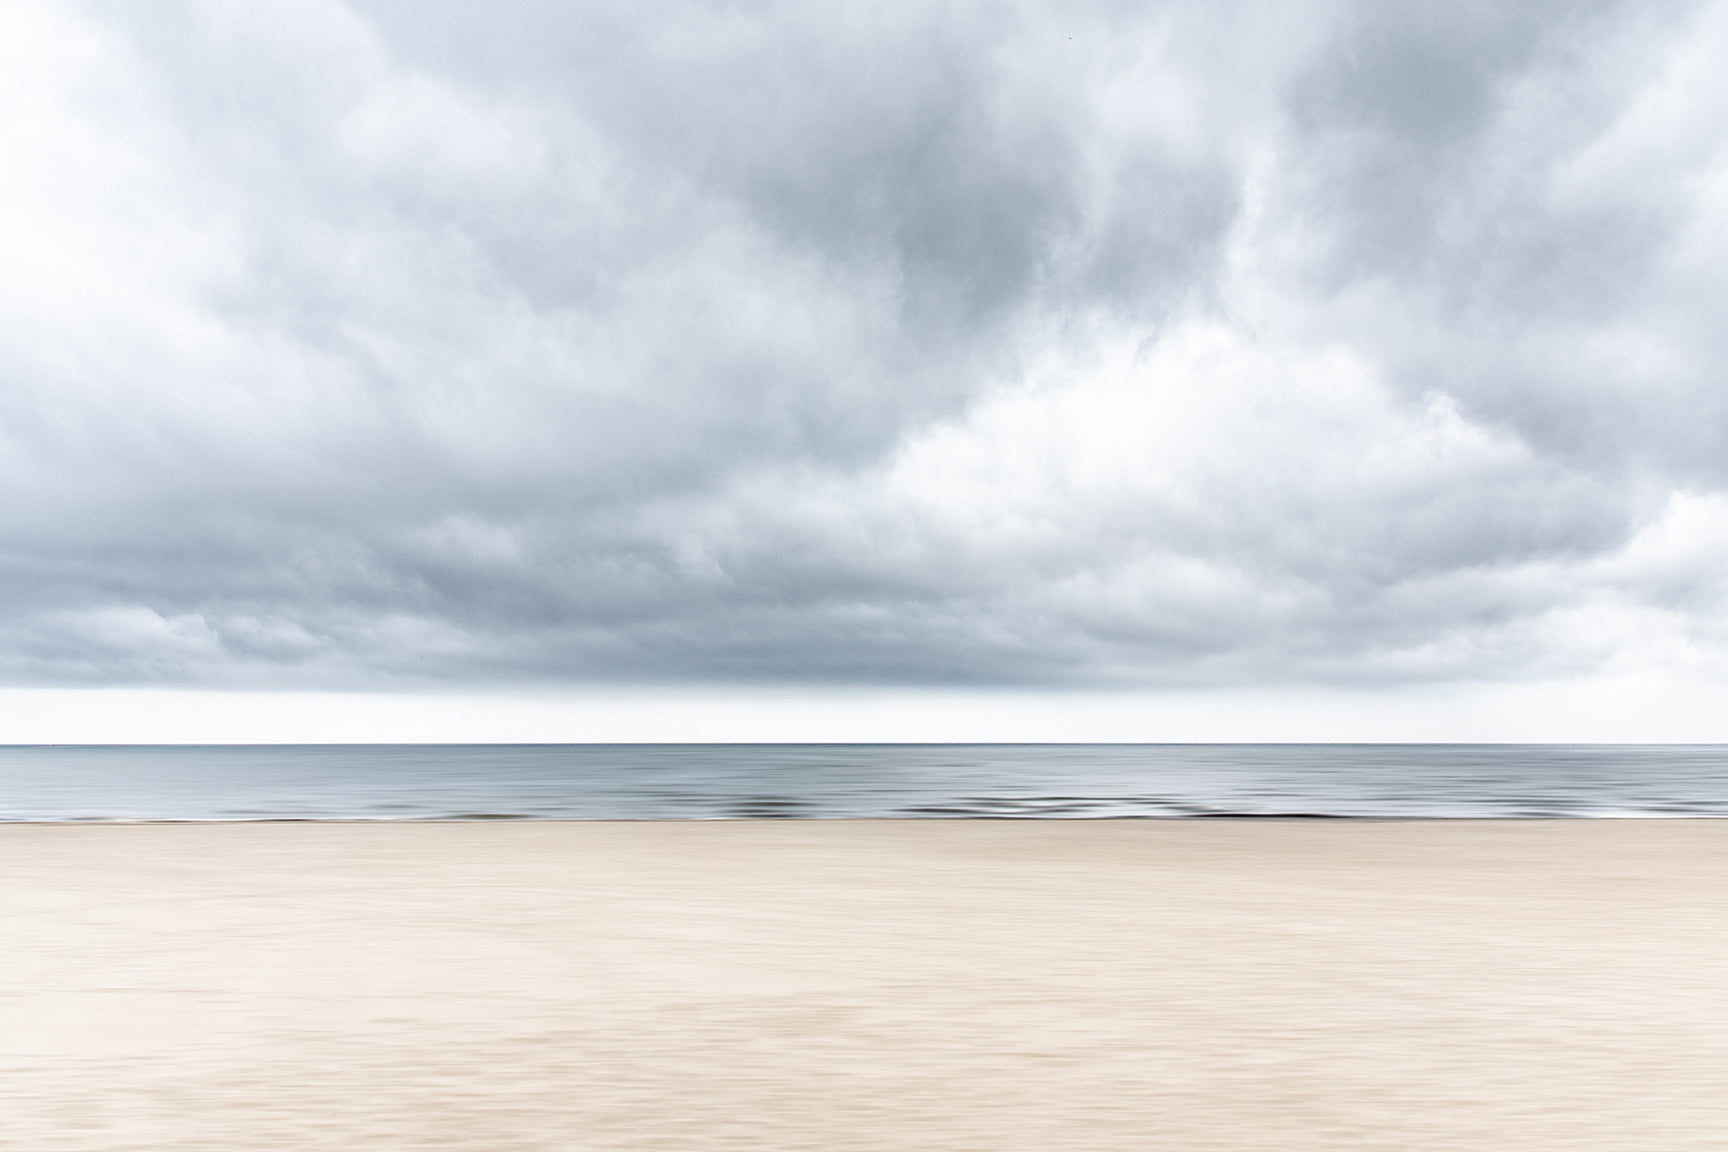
column 422, row 782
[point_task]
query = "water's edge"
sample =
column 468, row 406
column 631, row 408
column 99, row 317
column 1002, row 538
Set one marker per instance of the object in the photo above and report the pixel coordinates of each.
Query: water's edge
column 468, row 783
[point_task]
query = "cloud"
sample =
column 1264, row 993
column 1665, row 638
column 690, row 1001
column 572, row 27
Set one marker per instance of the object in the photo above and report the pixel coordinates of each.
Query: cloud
column 371, row 344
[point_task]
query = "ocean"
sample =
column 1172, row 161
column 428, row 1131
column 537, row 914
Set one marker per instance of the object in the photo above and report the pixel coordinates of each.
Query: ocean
column 721, row 781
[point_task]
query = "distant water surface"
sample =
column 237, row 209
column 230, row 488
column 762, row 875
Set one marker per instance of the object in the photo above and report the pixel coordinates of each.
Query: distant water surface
column 706, row 781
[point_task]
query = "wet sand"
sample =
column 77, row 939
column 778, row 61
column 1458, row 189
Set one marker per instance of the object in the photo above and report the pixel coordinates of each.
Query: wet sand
column 1274, row 986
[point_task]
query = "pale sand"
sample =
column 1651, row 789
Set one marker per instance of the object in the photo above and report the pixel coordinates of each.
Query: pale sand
column 1253, row 985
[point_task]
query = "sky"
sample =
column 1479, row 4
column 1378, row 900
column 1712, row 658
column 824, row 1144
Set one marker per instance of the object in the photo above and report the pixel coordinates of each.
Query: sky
column 623, row 370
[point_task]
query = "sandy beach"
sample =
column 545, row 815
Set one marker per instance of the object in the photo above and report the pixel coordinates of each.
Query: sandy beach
column 978, row 985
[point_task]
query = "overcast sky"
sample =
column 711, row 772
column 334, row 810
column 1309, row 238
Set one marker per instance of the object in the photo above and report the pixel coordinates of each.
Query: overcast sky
column 402, row 345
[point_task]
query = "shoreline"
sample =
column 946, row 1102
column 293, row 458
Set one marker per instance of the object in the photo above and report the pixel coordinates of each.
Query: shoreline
column 1526, row 984
column 1218, row 817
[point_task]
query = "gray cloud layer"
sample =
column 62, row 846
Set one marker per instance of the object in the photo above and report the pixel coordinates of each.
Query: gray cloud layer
column 386, row 342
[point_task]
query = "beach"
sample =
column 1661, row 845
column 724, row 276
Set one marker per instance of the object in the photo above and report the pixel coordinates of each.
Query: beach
column 1261, row 985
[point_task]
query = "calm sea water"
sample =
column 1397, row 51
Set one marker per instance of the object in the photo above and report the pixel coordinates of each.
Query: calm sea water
column 431, row 782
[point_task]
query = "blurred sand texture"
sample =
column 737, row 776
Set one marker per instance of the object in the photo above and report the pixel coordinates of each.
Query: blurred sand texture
column 1253, row 985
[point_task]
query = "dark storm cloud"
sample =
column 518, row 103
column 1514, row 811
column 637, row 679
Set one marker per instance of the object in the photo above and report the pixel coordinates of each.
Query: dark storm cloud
column 391, row 343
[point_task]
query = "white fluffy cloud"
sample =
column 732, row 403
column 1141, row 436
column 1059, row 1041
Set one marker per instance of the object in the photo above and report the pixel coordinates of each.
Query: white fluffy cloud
column 374, row 343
